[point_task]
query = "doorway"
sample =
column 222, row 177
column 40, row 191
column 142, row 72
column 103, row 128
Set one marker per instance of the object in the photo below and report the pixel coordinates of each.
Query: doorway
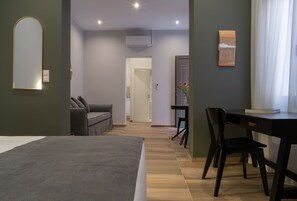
column 139, row 89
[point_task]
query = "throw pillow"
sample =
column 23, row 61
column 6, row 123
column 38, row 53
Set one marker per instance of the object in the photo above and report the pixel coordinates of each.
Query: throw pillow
column 78, row 103
column 73, row 103
column 81, row 99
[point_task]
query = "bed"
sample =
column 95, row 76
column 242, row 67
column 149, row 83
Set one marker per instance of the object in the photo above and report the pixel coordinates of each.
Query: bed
column 105, row 168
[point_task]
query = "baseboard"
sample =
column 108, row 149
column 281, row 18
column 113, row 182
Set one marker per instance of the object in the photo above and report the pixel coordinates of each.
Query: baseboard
column 119, row 125
column 229, row 159
column 162, row 125
column 196, row 159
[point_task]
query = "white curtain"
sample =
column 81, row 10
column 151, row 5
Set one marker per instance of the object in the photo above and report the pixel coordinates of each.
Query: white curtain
column 272, row 29
column 293, row 70
column 273, row 62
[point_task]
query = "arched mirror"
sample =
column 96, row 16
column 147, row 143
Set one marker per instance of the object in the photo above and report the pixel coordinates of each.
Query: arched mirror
column 27, row 54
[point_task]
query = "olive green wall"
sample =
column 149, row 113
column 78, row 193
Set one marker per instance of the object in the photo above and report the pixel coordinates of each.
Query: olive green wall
column 210, row 85
column 46, row 112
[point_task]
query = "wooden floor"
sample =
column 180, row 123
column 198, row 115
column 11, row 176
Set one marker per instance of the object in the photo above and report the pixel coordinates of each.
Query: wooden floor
column 172, row 176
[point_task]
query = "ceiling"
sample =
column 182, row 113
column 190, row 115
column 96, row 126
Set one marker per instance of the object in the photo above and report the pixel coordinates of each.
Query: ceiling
column 121, row 15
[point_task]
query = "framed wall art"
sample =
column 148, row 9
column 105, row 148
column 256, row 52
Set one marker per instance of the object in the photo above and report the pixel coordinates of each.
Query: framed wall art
column 227, row 48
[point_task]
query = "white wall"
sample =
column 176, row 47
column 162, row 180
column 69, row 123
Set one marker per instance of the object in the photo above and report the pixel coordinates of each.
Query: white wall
column 77, row 60
column 128, row 85
column 167, row 44
column 105, row 60
column 105, row 71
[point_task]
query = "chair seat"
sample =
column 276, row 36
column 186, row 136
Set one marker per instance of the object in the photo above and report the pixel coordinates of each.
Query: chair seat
column 242, row 143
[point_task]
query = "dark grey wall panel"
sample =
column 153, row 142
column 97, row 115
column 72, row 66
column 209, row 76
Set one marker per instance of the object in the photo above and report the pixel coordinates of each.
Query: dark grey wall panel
column 227, row 87
column 45, row 112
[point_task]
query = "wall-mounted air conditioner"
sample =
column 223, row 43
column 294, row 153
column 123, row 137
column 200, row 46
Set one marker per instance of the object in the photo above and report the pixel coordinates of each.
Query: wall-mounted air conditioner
column 139, row 41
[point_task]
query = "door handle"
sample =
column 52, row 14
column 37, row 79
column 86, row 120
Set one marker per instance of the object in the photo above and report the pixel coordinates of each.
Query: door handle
column 252, row 124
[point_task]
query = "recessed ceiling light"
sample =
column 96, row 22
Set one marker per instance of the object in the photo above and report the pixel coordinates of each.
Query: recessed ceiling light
column 177, row 22
column 99, row 22
column 136, row 5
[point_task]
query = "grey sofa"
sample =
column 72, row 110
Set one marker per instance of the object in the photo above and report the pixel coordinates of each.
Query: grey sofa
column 90, row 119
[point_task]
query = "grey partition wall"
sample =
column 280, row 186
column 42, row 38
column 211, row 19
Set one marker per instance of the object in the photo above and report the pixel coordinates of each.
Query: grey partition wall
column 36, row 112
column 211, row 85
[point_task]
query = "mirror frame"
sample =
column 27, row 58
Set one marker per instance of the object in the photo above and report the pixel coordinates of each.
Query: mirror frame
column 37, row 69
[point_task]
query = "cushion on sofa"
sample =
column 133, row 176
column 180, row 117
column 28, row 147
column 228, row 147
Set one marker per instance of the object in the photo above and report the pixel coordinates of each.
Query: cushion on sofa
column 95, row 117
column 83, row 101
column 80, row 104
column 73, row 104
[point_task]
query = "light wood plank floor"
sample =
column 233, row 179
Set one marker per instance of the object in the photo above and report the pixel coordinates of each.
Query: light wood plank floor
column 172, row 176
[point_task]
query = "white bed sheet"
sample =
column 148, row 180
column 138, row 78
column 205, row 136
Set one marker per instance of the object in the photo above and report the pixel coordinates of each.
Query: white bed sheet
column 140, row 189
column 10, row 142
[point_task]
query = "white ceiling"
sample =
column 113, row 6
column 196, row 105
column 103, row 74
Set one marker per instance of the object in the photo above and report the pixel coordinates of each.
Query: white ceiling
column 120, row 14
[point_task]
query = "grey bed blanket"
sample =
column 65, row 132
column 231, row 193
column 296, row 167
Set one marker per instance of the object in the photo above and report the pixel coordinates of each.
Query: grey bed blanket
column 70, row 168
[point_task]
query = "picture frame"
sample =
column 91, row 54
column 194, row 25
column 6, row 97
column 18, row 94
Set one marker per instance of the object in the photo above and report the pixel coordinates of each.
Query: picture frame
column 227, row 48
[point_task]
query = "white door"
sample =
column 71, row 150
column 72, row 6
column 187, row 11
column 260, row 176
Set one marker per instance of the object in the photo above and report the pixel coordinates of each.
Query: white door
column 142, row 95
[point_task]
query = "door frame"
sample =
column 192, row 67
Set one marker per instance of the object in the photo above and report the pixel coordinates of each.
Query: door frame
column 132, row 89
column 132, row 72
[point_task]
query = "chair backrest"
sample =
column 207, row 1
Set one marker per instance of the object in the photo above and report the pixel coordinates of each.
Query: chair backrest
column 216, row 117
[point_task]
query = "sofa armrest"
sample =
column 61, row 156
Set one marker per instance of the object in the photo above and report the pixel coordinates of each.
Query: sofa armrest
column 101, row 108
column 78, row 121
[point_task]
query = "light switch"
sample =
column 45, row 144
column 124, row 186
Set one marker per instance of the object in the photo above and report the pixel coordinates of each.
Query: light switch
column 45, row 76
column 157, row 87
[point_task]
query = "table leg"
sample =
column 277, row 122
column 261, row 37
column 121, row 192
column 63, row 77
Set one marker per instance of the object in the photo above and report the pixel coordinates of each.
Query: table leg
column 187, row 127
column 281, row 167
column 178, row 134
column 183, row 138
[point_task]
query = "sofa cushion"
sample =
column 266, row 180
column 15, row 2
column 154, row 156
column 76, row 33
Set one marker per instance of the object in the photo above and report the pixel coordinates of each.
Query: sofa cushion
column 78, row 103
column 96, row 117
column 83, row 101
column 73, row 104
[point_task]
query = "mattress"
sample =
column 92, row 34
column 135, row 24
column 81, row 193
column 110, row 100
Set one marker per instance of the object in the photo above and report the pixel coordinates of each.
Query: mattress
column 104, row 168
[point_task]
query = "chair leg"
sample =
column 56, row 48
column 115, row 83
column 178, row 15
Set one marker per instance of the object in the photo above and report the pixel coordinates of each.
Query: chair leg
column 249, row 134
column 186, row 137
column 263, row 170
column 178, row 126
column 244, row 165
column 216, row 159
column 211, row 152
column 220, row 172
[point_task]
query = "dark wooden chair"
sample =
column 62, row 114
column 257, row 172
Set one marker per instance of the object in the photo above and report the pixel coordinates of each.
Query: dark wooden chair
column 217, row 120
